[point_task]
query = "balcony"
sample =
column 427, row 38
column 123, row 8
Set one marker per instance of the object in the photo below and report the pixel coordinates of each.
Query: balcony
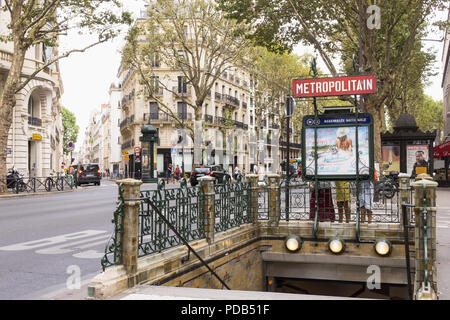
column 209, row 119
column 127, row 121
column 291, row 145
column 127, row 97
column 220, row 121
column 239, row 124
column 274, row 126
column 179, row 93
column 227, row 99
column 155, row 92
column 37, row 122
column 164, row 117
column 128, row 144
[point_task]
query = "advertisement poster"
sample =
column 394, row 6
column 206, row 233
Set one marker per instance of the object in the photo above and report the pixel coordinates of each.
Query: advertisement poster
column 336, row 149
column 417, row 154
column 390, row 158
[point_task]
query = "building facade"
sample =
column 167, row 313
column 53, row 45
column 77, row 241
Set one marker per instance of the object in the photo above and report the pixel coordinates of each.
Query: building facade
column 35, row 137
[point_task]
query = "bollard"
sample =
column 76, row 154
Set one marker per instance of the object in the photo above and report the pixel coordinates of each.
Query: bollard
column 131, row 190
column 274, row 199
column 425, row 284
column 254, row 190
column 208, row 196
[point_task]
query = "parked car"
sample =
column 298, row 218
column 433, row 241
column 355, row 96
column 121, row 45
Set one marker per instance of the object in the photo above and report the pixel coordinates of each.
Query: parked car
column 214, row 171
column 88, row 173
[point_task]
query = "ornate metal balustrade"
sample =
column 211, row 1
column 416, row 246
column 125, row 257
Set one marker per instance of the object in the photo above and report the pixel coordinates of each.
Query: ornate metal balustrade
column 231, row 205
column 187, row 210
column 114, row 249
column 182, row 207
column 301, row 203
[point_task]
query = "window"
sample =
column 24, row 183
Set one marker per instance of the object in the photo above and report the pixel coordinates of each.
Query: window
column 31, row 106
column 154, row 83
column 154, row 111
column 182, row 110
column 155, row 60
column 182, row 84
column 46, row 53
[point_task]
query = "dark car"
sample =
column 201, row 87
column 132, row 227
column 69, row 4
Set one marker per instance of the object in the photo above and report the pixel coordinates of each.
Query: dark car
column 88, row 173
column 214, row 171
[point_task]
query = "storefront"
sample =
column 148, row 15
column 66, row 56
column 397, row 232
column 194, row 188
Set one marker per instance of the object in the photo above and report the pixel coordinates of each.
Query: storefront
column 441, row 160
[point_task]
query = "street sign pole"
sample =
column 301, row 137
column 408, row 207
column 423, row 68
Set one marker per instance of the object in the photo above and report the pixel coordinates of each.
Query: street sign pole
column 289, row 112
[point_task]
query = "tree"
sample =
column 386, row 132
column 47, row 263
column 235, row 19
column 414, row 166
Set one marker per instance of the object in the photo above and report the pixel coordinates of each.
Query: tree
column 41, row 23
column 70, row 128
column 429, row 115
column 190, row 37
column 273, row 73
column 333, row 28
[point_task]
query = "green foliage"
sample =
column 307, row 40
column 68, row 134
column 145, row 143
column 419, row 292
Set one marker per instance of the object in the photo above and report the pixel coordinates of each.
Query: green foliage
column 429, row 114
column 70, row 128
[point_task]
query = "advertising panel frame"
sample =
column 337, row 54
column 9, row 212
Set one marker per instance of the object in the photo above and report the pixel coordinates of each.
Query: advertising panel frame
column 339, row 121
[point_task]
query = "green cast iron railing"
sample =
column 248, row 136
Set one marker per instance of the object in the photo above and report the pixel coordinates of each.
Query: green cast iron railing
column 114, row 249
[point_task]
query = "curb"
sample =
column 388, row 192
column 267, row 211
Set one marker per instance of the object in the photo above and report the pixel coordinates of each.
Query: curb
column 27, row 194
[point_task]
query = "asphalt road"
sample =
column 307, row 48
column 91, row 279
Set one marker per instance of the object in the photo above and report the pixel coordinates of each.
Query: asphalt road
column 45, row 241
column 48, row 241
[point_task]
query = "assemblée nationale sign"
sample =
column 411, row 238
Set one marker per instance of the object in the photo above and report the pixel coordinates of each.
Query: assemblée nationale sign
column 339, row 86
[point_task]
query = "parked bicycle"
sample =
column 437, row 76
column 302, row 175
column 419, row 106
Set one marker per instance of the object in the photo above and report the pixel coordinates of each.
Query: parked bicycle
column 52, row 182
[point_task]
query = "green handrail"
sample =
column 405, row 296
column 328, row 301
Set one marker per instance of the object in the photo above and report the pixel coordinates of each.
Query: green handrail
column 425, row 237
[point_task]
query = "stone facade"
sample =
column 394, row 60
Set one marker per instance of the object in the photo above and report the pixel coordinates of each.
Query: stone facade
column 37, row 112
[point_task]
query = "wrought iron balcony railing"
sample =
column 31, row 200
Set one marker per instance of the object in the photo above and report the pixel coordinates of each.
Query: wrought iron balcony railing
column 34, row 121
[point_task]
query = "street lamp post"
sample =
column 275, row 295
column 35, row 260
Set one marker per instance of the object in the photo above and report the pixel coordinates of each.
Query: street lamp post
column 148, row 139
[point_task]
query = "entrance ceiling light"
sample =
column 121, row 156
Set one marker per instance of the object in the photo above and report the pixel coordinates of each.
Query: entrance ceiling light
column 293, row 243
column 336, row 245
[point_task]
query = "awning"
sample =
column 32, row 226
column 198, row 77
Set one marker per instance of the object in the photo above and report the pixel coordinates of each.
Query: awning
column 442, row 150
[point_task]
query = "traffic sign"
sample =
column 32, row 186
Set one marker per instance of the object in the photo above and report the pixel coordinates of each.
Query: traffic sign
column 37, row 136
column 126, row 158
column 125, row 152
column 70, row 145
column 137, row 149
column 174, row 150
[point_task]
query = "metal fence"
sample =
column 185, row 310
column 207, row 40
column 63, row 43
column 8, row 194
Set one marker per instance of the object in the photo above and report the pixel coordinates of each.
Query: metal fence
column 182, row 207
column 38, row 184
column 185, row 209
column 231, row 205
column 301, row 203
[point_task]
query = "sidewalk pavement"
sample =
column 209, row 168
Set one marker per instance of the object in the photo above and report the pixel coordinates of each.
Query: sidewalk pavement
column 28, row 194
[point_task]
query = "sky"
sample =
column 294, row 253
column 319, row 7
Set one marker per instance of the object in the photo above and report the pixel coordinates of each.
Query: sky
column 87, row 76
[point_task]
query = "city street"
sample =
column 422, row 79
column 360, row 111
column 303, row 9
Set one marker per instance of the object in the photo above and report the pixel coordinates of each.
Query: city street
column 44, row 239
column 41, row 236
column 48, row 240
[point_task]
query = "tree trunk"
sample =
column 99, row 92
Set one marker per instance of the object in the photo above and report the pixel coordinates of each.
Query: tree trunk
column 7, row 103
column 198, row 137
column 375, row 107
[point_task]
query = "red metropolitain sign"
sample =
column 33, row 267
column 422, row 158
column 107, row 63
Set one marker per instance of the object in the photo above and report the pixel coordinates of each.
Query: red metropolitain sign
column 338, row 86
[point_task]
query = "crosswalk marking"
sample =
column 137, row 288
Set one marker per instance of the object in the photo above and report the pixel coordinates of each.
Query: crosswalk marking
column 51, row 241
column 60, row 249
column 89, row 254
